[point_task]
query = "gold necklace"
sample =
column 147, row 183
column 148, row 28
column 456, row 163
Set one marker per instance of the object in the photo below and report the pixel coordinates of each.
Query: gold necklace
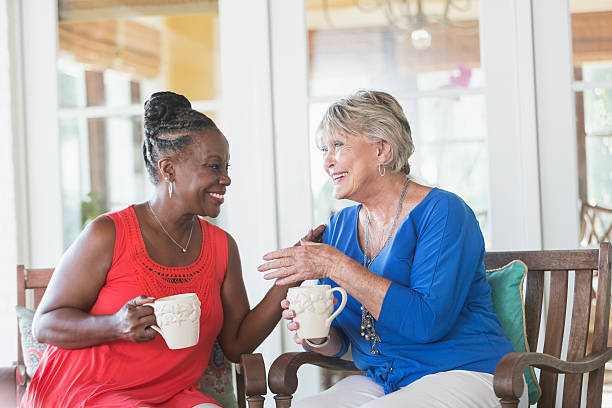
column 183, row 248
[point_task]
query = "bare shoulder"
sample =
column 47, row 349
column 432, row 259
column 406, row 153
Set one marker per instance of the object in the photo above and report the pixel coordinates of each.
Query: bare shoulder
column 82, row 270
column 233, row 255
column 94, row 246
column 100, row 233
column 232, row 247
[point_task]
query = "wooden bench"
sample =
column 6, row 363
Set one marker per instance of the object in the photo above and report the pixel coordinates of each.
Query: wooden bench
column 587, row 350
column 31, row 285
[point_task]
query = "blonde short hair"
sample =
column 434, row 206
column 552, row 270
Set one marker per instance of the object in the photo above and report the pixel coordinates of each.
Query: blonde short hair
column 375, row 116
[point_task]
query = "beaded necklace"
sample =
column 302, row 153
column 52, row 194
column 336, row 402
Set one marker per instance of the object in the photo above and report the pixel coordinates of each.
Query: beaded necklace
column 367, row 320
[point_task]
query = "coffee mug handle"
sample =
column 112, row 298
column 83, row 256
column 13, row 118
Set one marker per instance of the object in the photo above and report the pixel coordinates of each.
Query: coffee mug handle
column 342, row 304
column 153, row 326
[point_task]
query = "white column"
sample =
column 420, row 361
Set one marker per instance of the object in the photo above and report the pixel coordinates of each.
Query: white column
column 289, row 49
column 507, row 57
column 289, row 40
column 42, row 155
column 8, row 239
column 247, row 122
column 556, row 124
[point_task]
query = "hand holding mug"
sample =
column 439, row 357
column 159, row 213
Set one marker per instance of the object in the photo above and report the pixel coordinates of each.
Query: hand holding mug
column 289, row 314
column 178, row 319
column 311, row 311
column 134, row 320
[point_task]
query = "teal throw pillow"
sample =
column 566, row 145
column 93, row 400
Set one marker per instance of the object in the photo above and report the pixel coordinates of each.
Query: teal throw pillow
column 508, row 304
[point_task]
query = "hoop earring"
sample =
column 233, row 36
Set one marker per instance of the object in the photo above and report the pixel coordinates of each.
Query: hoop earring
column 383, row 172
column 170, row 189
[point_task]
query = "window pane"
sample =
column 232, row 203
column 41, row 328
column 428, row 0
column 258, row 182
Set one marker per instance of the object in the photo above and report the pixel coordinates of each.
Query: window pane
column 73, row 175
column 592, row 55
column 439, row 84
column 352, row 46
column 110, row 60
column 164, row 51
column 102, row 169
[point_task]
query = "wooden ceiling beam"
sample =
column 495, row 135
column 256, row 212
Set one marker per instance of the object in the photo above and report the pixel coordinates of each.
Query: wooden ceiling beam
column 92, row 10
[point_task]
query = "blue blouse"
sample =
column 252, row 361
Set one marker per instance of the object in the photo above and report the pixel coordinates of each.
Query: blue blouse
column 437, row 314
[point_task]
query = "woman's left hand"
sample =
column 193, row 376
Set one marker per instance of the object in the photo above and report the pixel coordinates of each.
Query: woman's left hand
column 310, row 260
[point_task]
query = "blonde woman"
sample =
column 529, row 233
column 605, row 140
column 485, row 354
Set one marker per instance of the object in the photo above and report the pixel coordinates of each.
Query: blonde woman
column 419, row 317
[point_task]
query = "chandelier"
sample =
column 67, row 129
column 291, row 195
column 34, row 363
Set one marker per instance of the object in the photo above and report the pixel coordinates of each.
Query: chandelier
column 408, row 17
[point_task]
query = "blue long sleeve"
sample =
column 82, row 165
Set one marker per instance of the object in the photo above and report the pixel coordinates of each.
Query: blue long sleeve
column 437, row 314
column 445, row 260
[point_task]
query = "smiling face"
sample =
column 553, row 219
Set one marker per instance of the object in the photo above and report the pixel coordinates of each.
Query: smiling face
column 351, row 162
column 201, row 176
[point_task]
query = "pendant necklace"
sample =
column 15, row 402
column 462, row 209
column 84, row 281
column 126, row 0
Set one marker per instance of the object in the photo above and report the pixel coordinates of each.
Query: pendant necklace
column 367, row 320
column 183, row 248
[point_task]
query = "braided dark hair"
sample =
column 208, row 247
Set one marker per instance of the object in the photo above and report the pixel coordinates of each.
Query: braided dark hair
column 167, row 116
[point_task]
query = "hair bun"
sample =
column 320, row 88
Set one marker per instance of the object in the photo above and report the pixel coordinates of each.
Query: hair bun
column 162, row 107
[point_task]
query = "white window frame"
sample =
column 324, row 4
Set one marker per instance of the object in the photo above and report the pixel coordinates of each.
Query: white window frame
column 9, row 116
column 556, row 124
column 507, row 58
column 43, row 206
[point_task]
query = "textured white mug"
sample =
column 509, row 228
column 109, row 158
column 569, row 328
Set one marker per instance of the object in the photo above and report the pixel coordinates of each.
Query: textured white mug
column 313, row 306
column 178, row 319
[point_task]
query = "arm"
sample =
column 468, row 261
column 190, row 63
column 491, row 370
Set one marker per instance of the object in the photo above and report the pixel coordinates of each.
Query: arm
column 448, row 254
column 244, row 329
column 315, row 261
column 62, row 319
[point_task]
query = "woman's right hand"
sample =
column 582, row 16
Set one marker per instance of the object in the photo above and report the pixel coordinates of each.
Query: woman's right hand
column 289, row 314
column 134, row 320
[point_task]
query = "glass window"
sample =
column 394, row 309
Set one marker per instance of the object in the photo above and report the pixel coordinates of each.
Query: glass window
column 110, row 60
column 592, row 56
column 427, row 55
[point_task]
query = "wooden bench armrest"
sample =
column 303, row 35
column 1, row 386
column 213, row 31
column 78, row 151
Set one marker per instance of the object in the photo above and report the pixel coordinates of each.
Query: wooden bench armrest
column 251, row 380
column 508, row 378
column 283, row 372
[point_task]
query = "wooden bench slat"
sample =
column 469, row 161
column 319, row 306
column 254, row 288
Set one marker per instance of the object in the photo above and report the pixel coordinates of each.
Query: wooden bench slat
column 555, row 323
column 533, row 307
column 37, row 278
column 547, row 260
column 601, row 329
column 572, row 388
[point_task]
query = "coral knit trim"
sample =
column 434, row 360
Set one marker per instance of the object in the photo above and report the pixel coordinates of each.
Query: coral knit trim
column 158, row 280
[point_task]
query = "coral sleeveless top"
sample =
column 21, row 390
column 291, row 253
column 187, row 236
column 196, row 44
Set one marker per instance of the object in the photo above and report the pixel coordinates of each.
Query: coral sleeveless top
column 126, row 374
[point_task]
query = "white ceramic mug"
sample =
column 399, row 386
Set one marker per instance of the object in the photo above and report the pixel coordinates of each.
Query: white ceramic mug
column 313, row 306
column 178, row 319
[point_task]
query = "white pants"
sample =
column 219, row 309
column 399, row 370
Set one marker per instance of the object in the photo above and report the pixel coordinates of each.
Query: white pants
column 450, row 389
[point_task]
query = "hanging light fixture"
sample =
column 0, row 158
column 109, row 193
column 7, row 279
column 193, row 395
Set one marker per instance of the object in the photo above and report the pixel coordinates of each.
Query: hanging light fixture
column 408, row 17
column 420, row 36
